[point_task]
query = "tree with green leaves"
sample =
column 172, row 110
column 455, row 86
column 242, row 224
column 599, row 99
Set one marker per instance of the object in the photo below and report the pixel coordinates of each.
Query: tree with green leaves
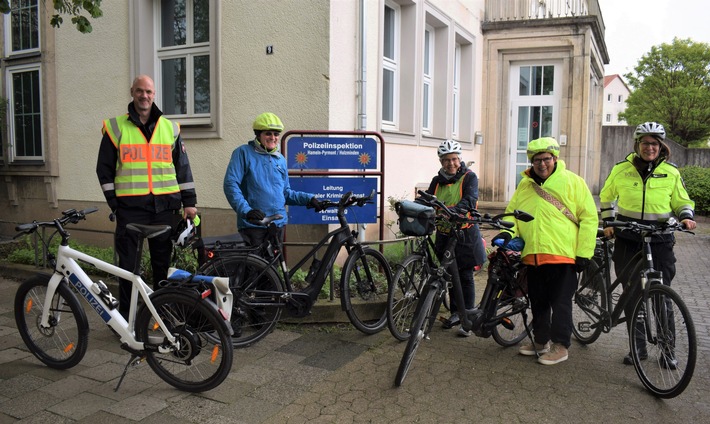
column 671, row 85
column 73, row 8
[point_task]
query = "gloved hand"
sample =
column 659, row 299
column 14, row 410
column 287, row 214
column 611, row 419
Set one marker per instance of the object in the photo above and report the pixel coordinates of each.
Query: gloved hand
column 314, row 203
column 580, row 264
column 501, row 239
column 255, row 215
column 458, row 211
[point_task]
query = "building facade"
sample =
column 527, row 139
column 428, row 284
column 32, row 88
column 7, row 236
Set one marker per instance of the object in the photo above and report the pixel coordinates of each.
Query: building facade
column 417, row 72
column 615, row 94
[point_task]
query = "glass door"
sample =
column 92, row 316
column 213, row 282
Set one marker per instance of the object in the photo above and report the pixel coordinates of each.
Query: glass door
column 534, row 111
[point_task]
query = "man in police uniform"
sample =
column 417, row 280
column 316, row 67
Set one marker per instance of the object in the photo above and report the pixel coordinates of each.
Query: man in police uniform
column 146, row 178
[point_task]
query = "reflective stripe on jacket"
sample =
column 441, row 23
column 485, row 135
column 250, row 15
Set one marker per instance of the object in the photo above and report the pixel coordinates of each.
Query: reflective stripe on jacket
column 143, row 167
column 661, row 195
column 552, row 237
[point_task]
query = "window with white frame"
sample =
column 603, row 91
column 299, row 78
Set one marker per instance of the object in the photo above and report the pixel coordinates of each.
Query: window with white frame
column 185, row 77
column 455, row 91
column 22, row 27
column 25, row 112
column 608, row 117
column 390, row 64
column 608, row 97
column 620, row 98
column 427, row 80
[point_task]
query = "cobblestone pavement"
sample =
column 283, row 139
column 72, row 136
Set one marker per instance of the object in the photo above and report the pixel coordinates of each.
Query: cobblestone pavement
column 311, row 374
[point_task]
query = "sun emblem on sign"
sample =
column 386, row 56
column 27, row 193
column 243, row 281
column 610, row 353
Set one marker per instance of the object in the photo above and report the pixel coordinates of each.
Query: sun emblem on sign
column 301, row 158
column 364, row 159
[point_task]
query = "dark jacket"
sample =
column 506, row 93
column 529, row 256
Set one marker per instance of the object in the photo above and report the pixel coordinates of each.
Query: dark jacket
column 470, row 251
column 106, row 171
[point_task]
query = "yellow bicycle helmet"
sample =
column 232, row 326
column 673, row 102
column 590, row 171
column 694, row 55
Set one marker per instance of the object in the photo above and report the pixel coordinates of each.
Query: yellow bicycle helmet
column 267, row 121
column 543, row 145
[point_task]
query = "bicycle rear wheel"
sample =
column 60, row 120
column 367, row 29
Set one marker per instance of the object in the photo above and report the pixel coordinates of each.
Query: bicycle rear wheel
column 203, row 357
column 511, row 330
column 252, row 282
column 363, row 289
column 589, row 303
column 403, row 295
column 672, row 347
column 423, row 319
column 63, row 344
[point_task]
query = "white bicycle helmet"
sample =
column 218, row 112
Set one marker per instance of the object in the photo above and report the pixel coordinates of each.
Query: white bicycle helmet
column 650, row 128
column 186, row 231
column 448, row 146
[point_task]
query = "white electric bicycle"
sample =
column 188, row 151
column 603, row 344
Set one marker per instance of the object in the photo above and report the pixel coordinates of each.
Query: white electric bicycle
column 181, row 330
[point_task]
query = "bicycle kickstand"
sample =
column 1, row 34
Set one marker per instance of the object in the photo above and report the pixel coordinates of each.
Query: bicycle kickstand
column 132, row 362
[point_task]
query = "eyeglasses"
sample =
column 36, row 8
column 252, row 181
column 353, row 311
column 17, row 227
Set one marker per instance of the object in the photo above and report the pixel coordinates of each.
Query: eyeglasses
column 452, row 160
column 538, row 161
column 271, row 133
column 650, row 144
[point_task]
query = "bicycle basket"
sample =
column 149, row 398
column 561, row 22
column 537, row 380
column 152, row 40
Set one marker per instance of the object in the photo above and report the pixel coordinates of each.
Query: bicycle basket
column 415, row 219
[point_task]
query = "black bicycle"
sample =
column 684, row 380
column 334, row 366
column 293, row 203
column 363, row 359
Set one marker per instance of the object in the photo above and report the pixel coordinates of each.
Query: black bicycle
column 502, row 298
column 262, row 283
column 662, row 339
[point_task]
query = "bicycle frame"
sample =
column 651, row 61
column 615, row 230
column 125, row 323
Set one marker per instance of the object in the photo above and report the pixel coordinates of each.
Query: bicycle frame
column 611, row 317
column 68, row 269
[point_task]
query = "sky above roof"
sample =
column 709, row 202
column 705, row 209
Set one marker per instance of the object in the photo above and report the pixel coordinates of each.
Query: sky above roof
column 634, row 26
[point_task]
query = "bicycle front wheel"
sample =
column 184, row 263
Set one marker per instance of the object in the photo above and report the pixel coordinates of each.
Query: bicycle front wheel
column 202, row 356
column 423, row 318
column 511, row 330
column 363, row 289
column 666, row 361
column 63, row 343
column 589, row 304
column 403, row 295
column 253, row 282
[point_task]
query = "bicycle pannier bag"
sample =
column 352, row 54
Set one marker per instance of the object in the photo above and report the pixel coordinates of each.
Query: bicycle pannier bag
column 415, row 219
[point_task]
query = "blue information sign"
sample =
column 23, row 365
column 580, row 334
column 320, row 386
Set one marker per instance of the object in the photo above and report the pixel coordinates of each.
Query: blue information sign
column 331, row 153
column 333, row 189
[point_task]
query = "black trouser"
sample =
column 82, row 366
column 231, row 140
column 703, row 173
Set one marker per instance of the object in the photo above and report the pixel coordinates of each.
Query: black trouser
column 126, row 245
column 663, row 260
column 551, row 288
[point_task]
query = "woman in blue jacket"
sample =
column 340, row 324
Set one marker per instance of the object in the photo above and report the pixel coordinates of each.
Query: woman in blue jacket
column 256, row 182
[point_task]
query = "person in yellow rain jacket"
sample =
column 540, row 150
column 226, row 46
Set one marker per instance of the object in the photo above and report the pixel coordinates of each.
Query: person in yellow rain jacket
column 645, row 187
column 146, row 178
column 559, row 242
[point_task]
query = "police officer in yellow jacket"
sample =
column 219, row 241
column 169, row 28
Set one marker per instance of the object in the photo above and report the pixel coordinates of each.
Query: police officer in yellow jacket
column 645, row 187
column 146, row 178
column 558, row 243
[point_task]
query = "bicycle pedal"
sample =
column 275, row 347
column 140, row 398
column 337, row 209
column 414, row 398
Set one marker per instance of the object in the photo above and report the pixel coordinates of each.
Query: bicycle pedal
column 507, row 323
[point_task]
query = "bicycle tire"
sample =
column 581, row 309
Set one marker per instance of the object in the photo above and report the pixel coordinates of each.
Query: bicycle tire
column 205, row 354
column 250, row 323
column 418, row 331
column 589, row 304
column 673, row 328
column 513, row 330
column 364, row 286
column 403, row 295
column 64, row 344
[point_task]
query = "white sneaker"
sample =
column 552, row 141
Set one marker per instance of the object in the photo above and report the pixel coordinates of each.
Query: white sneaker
column 463, row 333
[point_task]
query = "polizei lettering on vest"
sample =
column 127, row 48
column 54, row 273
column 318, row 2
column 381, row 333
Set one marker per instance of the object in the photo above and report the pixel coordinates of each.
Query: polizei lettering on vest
column 137, row 153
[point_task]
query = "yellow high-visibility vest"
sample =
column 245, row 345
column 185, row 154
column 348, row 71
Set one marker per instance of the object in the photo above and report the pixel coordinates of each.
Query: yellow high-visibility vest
column 143, row 167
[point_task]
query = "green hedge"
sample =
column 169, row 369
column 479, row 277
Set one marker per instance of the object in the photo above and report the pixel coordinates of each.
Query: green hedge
column 697, row 182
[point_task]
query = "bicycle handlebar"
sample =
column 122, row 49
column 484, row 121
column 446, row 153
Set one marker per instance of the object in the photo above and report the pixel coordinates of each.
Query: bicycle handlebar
column 346, row 200
column 68, row 216
column 653, row 228
column 476, row 218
